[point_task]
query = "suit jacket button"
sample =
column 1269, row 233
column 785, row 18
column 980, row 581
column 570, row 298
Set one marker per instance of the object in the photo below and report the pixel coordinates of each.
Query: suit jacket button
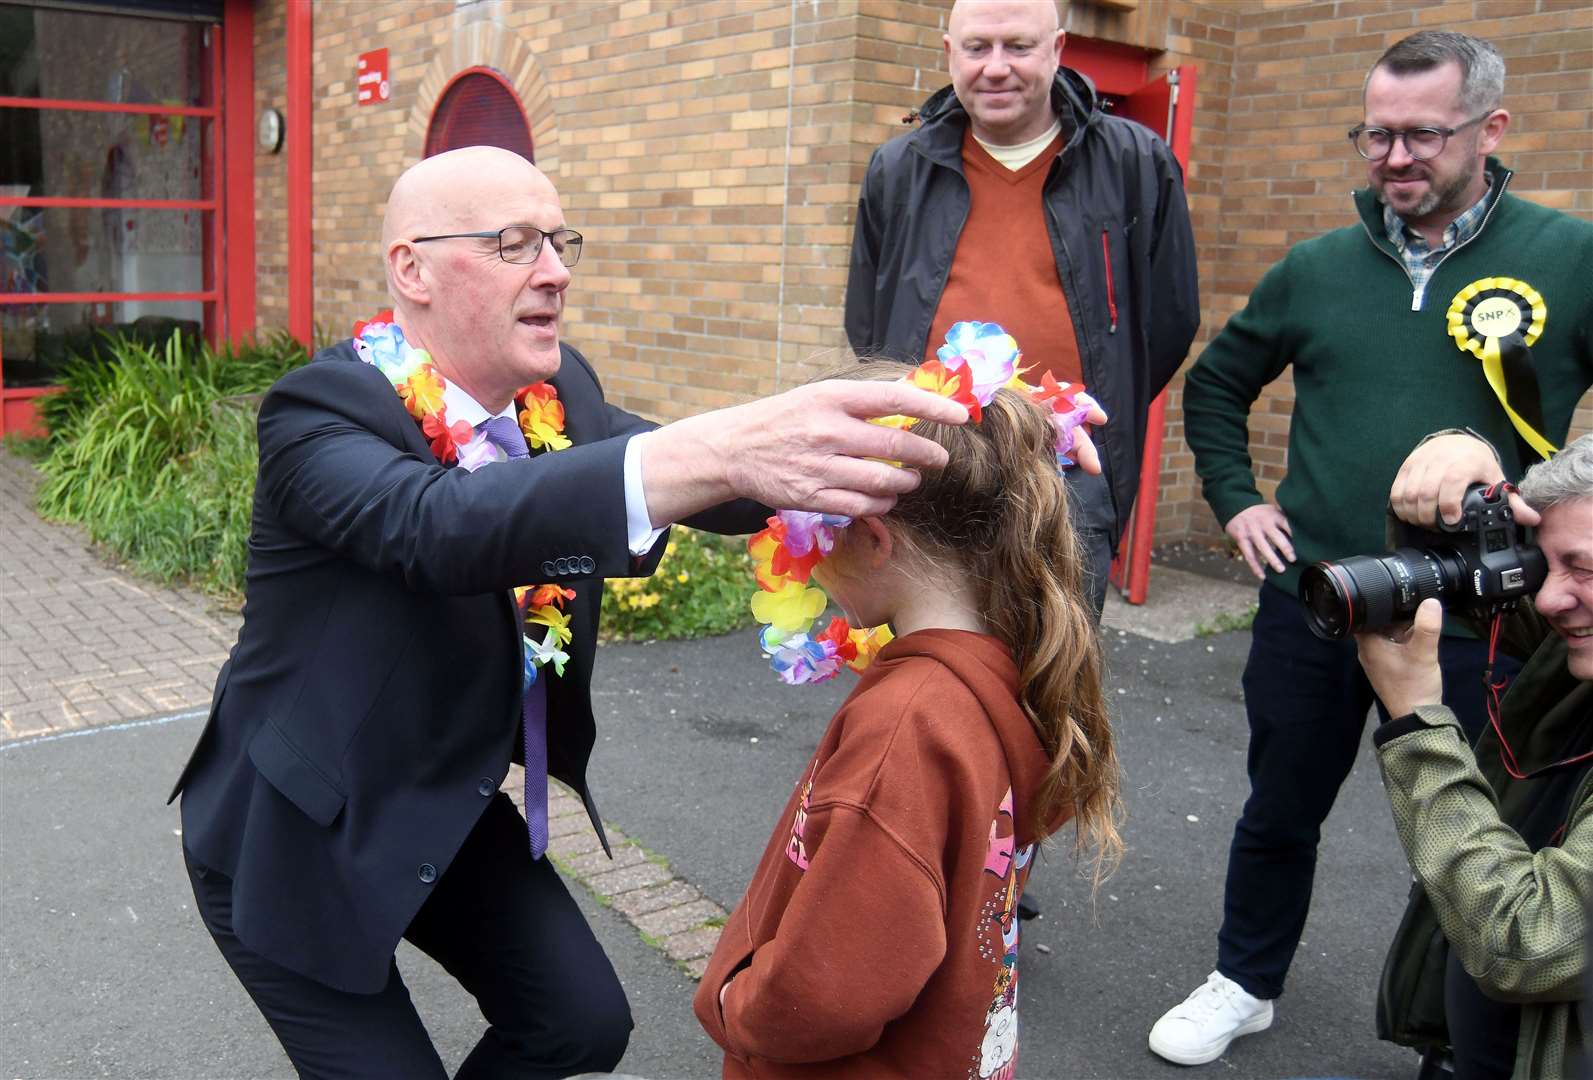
column 561, row 565
column 587, row 565
column 547, row 568
column 486, row 787
column 428, row 873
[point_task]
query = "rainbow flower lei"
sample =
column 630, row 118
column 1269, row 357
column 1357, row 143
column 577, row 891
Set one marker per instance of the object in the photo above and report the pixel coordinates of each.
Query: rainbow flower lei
column 380, row 342
column 977, row 360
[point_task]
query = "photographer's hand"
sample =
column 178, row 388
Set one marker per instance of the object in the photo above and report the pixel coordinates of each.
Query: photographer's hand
column 1437, row 473
column 1262, row 532
column 1401, row 662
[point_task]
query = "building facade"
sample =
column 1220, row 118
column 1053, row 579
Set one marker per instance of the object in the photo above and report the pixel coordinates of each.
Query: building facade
column 711, row 152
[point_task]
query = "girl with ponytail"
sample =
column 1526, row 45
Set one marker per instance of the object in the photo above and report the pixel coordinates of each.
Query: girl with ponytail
column 879, row 935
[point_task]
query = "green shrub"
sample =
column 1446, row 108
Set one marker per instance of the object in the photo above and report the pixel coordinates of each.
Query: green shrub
column 153, row 452
column 196, row 527
column 702, row 587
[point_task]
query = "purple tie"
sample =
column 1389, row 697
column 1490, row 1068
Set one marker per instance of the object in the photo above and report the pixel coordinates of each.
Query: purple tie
column 504, row 433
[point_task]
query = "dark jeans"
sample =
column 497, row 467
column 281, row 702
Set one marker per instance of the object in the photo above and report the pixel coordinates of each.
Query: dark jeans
column 1306, row 700
column 502, row 925
column 1093, row 517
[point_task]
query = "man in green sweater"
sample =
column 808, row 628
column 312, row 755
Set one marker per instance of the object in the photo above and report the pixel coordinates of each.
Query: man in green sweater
column 1398, row 325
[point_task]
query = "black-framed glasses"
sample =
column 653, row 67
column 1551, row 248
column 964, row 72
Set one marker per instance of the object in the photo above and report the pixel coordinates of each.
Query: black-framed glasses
column 522, row 243
column 1421, row 143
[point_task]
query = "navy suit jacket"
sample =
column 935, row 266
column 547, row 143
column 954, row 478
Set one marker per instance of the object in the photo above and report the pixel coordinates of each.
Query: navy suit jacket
column 371, row 706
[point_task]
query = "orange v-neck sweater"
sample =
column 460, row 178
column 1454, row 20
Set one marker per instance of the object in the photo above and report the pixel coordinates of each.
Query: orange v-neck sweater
column 1005, row 270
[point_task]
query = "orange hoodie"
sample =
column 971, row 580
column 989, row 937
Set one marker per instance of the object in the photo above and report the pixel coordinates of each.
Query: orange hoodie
column 879, row 935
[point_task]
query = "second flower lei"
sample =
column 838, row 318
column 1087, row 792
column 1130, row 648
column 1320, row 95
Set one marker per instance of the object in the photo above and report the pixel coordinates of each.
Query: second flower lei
column 977, row 360
column 380, row 342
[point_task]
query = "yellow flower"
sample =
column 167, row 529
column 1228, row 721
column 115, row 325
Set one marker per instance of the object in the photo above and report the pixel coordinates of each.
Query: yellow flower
column 683, row 577
column 791, row 608
column 551, row 616
column 670, row 548
column 422, row 393
column 762, row 548
column 648, row 600
column 543, row 423
column 869, row 642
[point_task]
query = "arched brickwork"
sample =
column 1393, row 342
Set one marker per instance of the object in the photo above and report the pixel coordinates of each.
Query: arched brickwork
column 490, row 45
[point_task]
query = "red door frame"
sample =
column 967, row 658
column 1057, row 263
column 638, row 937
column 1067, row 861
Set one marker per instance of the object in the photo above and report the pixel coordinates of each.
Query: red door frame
column 1131, row 569
column 227, row 195
column 1122, row 70
column 301, row 251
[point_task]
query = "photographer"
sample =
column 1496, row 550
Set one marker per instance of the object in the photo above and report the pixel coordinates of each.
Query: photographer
column 1501, row 838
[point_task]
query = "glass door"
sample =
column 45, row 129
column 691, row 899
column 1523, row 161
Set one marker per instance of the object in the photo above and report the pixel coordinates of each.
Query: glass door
column 110, row 149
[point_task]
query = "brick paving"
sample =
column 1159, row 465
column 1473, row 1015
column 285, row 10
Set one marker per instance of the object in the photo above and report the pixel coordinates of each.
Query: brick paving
column 670, row 913
column 84, row 644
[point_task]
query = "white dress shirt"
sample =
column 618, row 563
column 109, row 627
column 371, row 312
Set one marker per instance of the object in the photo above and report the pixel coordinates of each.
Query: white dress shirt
column 640, row 534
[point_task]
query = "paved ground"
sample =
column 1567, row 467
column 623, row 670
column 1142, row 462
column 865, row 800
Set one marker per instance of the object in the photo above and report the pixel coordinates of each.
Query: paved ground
column 108, row 973
column 85, row 645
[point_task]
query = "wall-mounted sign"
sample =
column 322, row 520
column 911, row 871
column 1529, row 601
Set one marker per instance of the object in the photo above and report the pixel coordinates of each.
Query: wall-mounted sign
column 370, row 78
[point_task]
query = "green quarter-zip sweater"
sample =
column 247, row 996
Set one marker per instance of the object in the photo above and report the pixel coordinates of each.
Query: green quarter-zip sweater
column 1375, row 369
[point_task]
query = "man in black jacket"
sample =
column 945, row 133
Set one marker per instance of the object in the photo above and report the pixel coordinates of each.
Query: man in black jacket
column 1018, row 201
column 345, row 791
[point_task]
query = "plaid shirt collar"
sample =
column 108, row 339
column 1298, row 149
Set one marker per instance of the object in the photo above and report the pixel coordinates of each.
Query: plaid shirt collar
column 1413, row 247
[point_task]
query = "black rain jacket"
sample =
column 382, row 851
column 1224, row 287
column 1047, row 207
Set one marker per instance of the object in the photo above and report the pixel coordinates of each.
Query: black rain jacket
column 1119, row 228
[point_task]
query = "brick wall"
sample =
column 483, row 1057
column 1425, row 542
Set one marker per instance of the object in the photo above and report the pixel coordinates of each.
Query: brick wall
column 712, row 151
column 1202, row 34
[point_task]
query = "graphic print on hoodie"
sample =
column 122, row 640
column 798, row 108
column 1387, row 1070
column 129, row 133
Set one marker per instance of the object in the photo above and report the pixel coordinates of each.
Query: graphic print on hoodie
column 998, row 1051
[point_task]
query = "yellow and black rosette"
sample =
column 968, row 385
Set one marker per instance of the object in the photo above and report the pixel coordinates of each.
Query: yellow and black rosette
column 1497, row 319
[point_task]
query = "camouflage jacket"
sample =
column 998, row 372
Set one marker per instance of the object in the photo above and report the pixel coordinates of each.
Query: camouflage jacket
column 1518, row 920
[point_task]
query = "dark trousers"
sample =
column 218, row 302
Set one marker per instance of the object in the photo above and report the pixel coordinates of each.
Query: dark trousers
column 1091, row 512
column 502, row 925
column 1306, row 700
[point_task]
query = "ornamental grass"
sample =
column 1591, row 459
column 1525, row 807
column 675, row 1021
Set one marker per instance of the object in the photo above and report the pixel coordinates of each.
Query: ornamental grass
column 151, row 449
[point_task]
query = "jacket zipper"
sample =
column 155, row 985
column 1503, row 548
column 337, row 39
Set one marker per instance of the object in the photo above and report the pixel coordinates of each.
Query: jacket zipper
column 1111, row 290
column 1417, row 295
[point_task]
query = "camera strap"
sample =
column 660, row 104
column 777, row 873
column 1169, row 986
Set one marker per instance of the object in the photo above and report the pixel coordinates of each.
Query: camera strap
column 1507, row 756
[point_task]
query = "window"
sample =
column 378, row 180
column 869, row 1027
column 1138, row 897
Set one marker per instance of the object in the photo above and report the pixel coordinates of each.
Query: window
column 109, row 159
column 479, row 108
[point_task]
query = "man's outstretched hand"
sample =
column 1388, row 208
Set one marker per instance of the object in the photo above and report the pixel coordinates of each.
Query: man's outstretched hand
column 811, row 448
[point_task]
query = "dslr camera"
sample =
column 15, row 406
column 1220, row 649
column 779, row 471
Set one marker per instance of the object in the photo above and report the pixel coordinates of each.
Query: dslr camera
column 1478, row 566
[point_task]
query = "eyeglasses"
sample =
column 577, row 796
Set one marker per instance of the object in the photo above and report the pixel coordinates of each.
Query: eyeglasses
column 522, row 243
column 1421, row 143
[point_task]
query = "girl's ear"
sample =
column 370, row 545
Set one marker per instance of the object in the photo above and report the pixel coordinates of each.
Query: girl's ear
column 877, row 543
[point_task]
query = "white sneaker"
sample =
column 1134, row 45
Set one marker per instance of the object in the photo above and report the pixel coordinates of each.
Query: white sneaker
column 1199, row 1028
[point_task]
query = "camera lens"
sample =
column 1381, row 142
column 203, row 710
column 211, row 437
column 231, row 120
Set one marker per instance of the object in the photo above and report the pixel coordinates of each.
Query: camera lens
column 1369, row 592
